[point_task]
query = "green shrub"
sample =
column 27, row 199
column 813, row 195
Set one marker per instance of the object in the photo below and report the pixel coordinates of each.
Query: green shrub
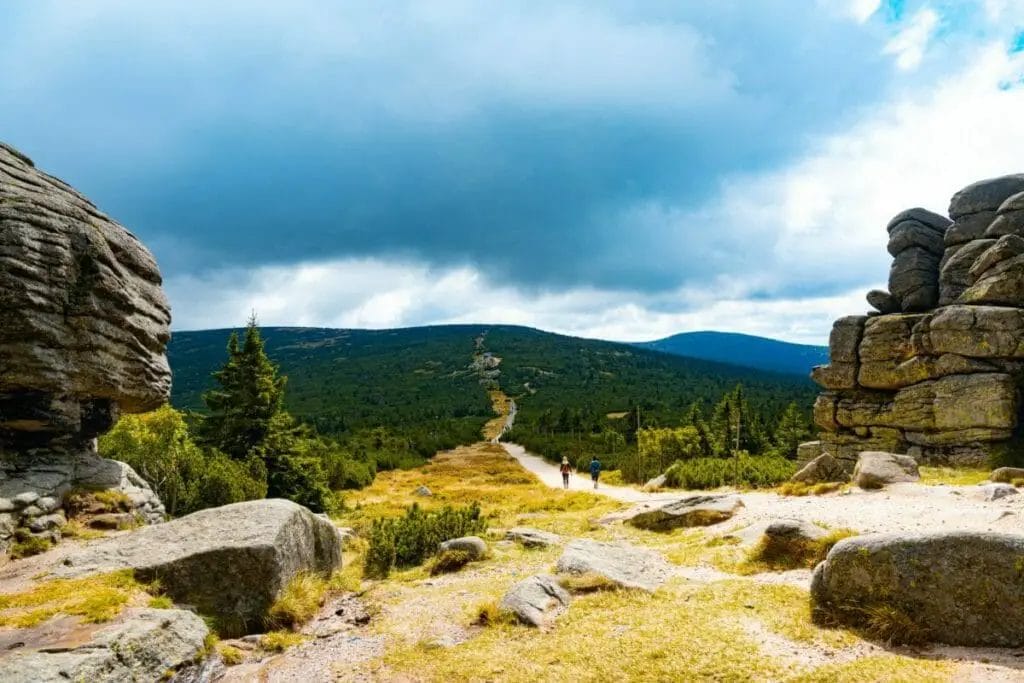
column 407, row 541
column 449, row 561
column 743, row 470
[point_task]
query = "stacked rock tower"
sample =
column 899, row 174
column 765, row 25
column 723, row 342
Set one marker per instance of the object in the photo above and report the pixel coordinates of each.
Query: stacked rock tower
column 84, row 327
column 936, row 370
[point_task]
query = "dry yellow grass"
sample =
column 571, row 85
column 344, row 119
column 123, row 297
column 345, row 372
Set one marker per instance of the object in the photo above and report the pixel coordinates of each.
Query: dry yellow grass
column 953, row 476
column 94, row 599
column 501, row 405
column 298, row 602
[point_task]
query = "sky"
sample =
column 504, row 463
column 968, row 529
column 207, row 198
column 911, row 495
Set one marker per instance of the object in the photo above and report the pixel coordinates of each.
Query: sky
column 624, row 170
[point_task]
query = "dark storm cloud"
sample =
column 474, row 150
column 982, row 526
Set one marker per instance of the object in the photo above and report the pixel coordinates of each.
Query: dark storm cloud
column 549, row 144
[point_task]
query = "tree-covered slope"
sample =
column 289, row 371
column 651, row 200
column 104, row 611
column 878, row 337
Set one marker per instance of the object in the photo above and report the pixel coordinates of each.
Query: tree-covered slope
column 420, row 379
column 743, row 349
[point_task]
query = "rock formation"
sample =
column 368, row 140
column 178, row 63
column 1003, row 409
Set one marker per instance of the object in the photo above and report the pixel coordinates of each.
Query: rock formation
column 936, row 371
column 84, row 326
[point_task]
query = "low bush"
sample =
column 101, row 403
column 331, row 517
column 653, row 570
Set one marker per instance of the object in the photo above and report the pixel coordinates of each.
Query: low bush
column 298, row 602
column 408, row 540
column 743, row 470
column 449, row 561
column 26, row 545
column 491, row 614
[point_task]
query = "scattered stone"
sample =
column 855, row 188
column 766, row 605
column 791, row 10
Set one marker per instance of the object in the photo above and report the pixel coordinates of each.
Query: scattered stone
column 422, row 491
column 824, row 468
column 230, row 562
column 532, row 538
column 623, row 564
column 536, row 601
column 1006, row 475
column 875, row 469
column 657, row 482
column 991, row 492
column 112, row 520
column 474, row 546
column 700, row 510
column 958, row 588
column 883, row 301
column 139, row 645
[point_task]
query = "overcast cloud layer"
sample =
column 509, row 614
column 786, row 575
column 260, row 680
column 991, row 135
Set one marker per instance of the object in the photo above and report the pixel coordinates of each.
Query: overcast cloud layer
column 623, row 170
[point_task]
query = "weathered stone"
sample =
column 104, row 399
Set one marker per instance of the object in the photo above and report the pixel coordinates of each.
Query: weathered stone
column 995, row 491
column 845, row 338
column 883, row 301
column 1009, row 218
column 911, row 233
column 474, row 546
column 968, row 228
column 955, row 587
column 139, row 645
column 985, row 195
column 623, row 564
column 655, row 483
column 230, row 562
column 536, row 601
column 984, row 400
column 825, row 411
column 929, row 218
column 422, row 491
column 84, row 327
column 914, row 279
column 975, row 332
column 876, row 469
column 835, row 375
column 1007, row 475
column 954, row 270
column 701, row 510
column 47, row 522
column 1001, row 285
column 532, row 538
column 824, row 468
column 808, row 451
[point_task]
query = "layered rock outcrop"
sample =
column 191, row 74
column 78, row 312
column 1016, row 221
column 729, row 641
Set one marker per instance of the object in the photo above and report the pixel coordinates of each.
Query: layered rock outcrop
column 84, row 326
column 936, row 370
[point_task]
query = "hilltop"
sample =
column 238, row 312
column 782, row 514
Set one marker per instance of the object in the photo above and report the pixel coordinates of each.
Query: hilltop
column 746, row 350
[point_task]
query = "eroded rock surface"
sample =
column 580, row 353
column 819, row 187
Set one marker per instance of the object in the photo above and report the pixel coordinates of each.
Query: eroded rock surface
column 623, row 564
column 230, row 562
column 959, row 588
column 536, row 601
column 700, row 510
column 936, row 372
column 84, row 326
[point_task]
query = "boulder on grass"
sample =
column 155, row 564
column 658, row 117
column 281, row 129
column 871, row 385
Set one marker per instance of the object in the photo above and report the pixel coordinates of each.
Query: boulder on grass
column 876, row 469
column 625, row 565
column 1007, row 475
column 536, row 601
column 229, row 562
column 474, row 546
column 532, row 538
column 953, row 587
column 139, row 645
column 700, row 510
column 824, row 468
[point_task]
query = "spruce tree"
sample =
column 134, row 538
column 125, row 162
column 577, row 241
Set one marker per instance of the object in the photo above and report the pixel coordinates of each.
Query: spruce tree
column 250, row 393
column 791, row 431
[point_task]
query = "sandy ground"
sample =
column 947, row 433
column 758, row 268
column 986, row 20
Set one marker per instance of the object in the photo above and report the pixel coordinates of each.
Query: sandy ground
column 899, row 507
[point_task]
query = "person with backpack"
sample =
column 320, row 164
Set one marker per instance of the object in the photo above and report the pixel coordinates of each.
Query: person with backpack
column 565, row 469
column 595, row 470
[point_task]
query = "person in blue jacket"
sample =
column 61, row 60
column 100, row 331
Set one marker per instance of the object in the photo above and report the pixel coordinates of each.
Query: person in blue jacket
column 595, row 470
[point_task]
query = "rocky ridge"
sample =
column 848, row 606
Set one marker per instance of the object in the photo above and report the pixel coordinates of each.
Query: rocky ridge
column 935, row 371
column 84, row 326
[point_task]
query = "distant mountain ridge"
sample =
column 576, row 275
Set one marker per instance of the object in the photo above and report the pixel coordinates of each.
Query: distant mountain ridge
column 746, row 350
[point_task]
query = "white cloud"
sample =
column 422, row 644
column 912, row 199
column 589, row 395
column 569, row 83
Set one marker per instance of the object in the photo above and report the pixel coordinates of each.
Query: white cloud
column 384, row 294
column 862, row 10
column 909, row 45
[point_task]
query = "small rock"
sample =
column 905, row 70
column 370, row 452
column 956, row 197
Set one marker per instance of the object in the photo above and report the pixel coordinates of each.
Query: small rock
column 990, row 492
column 6, row 505
column 474, row 546
column 422, row 491
column 656, row 483
column 536, row 601
column 47, row 522
column 532, row 538
column 26, row 498
column 112, row 520
column 876, row 469
column 1006, row 475
column 48, row 504
column 701, row 510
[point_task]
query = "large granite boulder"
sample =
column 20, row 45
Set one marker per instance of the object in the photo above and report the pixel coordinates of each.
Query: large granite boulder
column 84, row 325
column 1007, row 475
column 954, row 587
column 532, row 538
column 139, row 645
column 824, row 468
column 938, row 379
column 536, row 601
column 625, row 565
column 229, row 562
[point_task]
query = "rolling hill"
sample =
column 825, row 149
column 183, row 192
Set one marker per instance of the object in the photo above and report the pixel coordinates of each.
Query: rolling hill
column 743, row 349
column 422, row 381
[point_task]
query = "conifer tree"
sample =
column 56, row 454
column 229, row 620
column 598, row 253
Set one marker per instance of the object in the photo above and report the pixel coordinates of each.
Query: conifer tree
column 791, row 431
column 250, row 393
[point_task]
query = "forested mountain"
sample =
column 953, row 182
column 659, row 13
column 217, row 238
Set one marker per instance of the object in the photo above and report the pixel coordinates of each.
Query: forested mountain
column 744, row 349
column 421, row 383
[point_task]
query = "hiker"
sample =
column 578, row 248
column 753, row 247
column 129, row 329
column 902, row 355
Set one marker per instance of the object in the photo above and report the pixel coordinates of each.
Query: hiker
column 595, row 470
column 565, row 469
